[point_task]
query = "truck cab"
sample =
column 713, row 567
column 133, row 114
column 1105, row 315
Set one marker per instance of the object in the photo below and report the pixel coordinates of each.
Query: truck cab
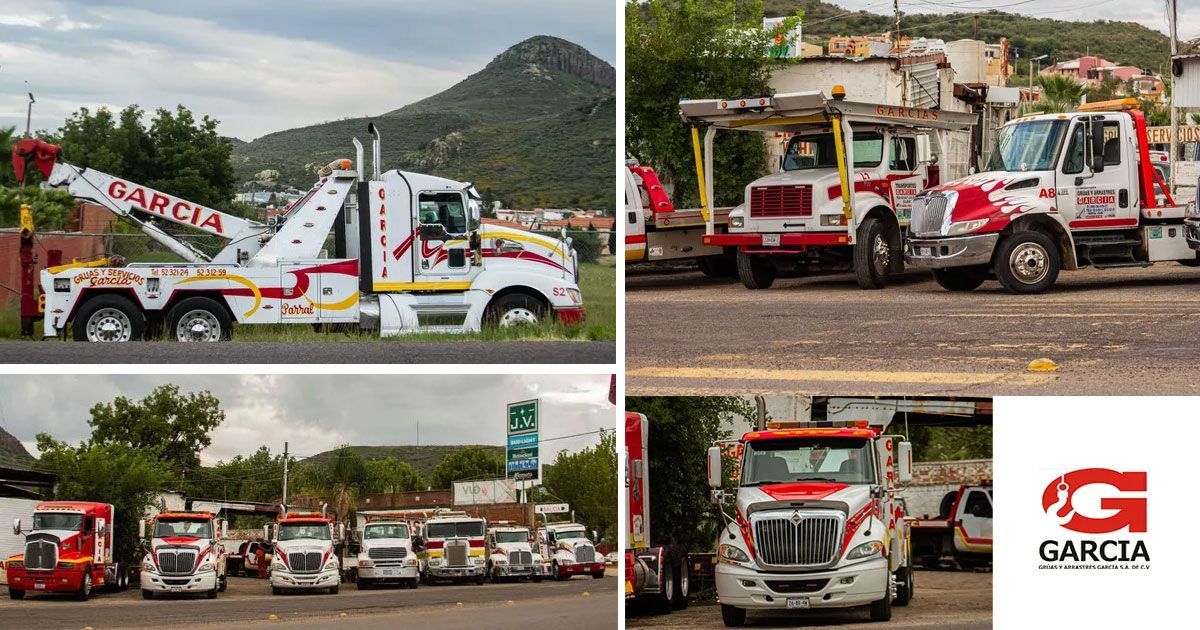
column 961, row 531
column 67, row 550
column 452, row 547
column 185, row 554
column 387, row 555
column 1060, row 191
column 816, row 522
column 569, row 552
column 510, row 554
column 304, row 557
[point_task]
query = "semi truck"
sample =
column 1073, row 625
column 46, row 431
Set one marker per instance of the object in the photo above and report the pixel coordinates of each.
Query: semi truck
column 568, row 551
column 304, row 557
column 1061, row 191
column 410, row 253
column 69, row 549
column 657, row 231
column 386, row 553
column 844, row 189
column 510, row 553
column 185, row 554
column 452, row 547
column 655, row 575
column 815, row 521
column 960, row 533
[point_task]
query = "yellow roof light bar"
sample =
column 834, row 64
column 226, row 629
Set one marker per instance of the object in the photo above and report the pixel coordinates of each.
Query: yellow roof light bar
column 1115, row 105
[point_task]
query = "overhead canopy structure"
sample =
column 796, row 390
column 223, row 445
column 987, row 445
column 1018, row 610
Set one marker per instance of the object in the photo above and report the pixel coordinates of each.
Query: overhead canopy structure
column 796, row 110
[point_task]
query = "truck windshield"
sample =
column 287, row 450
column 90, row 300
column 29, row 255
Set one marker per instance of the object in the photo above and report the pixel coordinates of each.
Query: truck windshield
column 386, row 530
column 818, row 151
column 512, row 537
column 563, row 534
column 73, row 522
column 198, row 529
column 445, row 209
column 1028, row 146
column 842, row 460
column 451, row 530
column 296, row 531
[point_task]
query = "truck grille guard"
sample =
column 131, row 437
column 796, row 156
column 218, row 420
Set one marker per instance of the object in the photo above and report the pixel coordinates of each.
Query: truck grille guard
column 929, row 214
column 176, row 560
column 41, row 554
column 798, row 538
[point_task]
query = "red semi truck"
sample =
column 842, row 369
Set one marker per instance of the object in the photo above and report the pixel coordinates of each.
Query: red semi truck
column 68, row 550
column 654, row 575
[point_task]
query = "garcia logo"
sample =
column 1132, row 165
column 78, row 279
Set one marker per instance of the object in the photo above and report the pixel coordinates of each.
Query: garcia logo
column 1096, row 501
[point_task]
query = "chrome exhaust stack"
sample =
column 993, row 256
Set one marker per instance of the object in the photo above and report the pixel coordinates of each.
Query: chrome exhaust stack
column 358, row 157
column 376, row 151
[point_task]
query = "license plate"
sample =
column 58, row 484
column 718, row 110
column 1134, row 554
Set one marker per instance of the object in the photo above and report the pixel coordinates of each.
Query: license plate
column 770, row 240
column 40, row 586
column 797, row 603
column 924, row 251
column 389, row 572
column 176, row 589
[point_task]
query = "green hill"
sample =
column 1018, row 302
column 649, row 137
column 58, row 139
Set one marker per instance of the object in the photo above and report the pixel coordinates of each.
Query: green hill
column 1122, row 42
column 535, row 127
column 13, row 453
column 422, row 458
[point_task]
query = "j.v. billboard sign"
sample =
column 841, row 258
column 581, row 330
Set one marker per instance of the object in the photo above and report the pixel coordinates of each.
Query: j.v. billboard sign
column 522, row 451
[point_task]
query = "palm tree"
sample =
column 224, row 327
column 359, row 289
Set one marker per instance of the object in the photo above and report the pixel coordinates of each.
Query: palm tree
column 1060, row 93
column 339, row 479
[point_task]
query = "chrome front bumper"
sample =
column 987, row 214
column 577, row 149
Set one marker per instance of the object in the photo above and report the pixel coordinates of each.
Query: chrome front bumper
column 324, row 579
column 457, row 572
column 949, row 251
column 388, row 572
column 854, row 585
column 196, row 583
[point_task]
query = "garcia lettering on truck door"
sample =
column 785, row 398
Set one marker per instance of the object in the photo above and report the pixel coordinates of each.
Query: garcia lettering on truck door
column 1102, row 200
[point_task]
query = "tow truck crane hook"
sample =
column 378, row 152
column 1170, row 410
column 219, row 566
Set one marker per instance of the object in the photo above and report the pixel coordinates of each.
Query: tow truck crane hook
column 42, row 153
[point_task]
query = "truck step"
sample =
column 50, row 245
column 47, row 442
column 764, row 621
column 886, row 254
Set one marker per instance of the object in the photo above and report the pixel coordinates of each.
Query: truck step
column 1118, row 264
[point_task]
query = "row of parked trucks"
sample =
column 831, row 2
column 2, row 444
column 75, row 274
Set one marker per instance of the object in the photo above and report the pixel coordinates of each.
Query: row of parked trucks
column 70, row 549
column 863, row 186
column 813, row 518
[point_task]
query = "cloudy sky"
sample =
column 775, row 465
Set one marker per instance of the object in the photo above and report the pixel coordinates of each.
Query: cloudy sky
column 318, row 413
column 1151, row 13
column 265, row 65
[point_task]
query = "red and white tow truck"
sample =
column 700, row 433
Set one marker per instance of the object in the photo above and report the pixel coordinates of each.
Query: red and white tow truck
column 1061, row 191
column 654, row 575
column 961, row 531
column 410, row 254
column 656, row 230
column 69, row 550
column 304, row 552
column 845, row 186
column 185, row 556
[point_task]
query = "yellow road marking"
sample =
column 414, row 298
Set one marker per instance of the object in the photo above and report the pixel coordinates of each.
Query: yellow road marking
column 868, row 376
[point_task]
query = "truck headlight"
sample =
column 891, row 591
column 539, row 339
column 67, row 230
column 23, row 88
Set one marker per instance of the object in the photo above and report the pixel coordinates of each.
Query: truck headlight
column 575, row 296
column 965, row 227
column 277, row 562
column 147, row 564
column 865, row 550
column 364, row 562
column 500, row 560
column 737, row 222
column 831, row 220
column 733, row 554
column 435, row 562
column 331, row 565
column 207, row 566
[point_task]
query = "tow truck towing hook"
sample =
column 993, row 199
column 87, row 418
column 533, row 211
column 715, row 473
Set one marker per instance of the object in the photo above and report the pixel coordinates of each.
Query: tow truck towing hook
column 42, row 153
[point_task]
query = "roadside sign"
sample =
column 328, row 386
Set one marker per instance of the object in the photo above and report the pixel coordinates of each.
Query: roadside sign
column 551, row 508
column 522, row 457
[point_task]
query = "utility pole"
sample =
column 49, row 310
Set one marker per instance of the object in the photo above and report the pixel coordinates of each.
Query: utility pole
column 1174, row 145
column 285, row 472
column 975, row 33
column 896, row 6
column 29, row 114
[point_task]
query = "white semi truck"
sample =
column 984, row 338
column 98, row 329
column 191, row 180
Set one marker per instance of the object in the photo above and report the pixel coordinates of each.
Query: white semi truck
column 816, row 522
column 451, row 547
column 568, row 551
column 510, row 554
column 409, row 254
column 185, row 554
column 386, row 554
column 304, row 556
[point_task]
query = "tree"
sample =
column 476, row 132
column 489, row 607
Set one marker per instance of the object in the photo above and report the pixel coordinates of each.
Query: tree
column 950, row 443
column 396, row 476
column 339, row 479
column 50, row 208
column 472, row 462
column 1108, row 88
column 175, row 426
column 256, row 478
column 128, row 478
column 694, row 49
column 587, row 481
column 680, row 432
column 1060, row 93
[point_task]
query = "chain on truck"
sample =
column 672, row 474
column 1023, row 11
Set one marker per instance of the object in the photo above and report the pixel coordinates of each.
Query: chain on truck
column 1061, row 191
column 815, row 523
column 68, row 550
column 185, row 554
column 410, row 254
column 844, row 190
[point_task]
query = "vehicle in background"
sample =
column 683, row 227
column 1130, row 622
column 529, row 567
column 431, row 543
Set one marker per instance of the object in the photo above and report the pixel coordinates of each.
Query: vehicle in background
column 304, row 552
column 656, row 231
column 655, row 575
column 185, row 554
column 961, row 532
column 386, row 554
column 568, row 550
column 68, row 550
column 452, row 547
column 510, row 554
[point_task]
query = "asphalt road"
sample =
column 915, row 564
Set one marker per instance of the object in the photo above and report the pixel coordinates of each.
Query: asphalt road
column 1119, row 331
column 579, row 603
column 943, row 599
column 424, row 352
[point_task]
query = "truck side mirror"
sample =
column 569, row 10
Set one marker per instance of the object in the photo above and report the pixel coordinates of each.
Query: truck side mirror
column 714, row 467
column 224, row 529
column 1096, row 127
column 16, row 527
column 142, row 529
column 904, row 462
column 341, row 531
column 266, row 532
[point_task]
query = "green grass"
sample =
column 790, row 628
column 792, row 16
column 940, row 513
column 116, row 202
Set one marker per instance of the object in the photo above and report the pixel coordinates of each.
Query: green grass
column 597, row 281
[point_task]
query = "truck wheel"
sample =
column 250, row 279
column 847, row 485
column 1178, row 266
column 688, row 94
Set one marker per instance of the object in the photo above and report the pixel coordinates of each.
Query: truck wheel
column 212, row 594
column 679, row 566
column 480, row 579
column 16, row 594
column 275, row 590
column 199, row 319
column 873, row 253
column 85, row 589
column 362, row 584
column 108, row 318
column 514, row 309
column 537, row 577
column 755, row 270
column 598, row 575
column 733, row 616
column 222, row 583
column 333, row 590
column 665, row 601
column 904, row 575
column 147, row 594
column 1027, row 262
column 961, row 278
column 882, row 610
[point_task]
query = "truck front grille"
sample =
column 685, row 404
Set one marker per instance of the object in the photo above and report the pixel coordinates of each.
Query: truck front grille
column 41, row 555
column 457, row 552
column 928, row 213
column 520, row 558
column 176, row 561
column 386, row 553
column 304, row 561
column 585, row 553
column 767, row 202
column 799, row 538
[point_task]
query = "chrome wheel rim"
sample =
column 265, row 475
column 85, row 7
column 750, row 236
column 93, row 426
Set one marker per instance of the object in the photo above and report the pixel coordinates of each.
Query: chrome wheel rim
column 1029, row 263
column 881, row 252
column 109, row 325
column 683, row 585
column 87, row 584
column 198, row 325
column 518, row 317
